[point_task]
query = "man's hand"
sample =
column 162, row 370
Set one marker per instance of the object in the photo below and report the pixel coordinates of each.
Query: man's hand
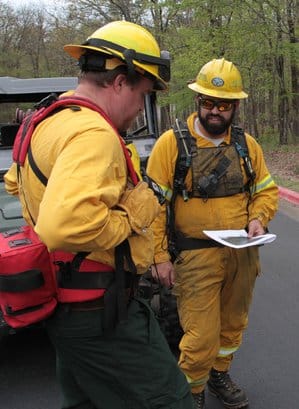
column 255, row 228
column 141, row 205
column 164, row 273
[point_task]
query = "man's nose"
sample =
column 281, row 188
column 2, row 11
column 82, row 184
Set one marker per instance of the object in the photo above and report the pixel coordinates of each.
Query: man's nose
column 215, row 110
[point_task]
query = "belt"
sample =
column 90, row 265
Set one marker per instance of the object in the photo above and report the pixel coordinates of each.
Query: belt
column 190, row 243
column 97, row 304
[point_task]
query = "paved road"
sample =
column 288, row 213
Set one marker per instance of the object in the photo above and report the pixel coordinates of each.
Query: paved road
column 266, row 365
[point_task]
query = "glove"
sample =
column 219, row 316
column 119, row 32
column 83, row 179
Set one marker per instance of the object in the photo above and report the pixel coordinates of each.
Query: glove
column 141, row 206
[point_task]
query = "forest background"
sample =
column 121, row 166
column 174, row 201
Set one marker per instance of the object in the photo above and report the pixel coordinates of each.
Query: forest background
column 260, row 37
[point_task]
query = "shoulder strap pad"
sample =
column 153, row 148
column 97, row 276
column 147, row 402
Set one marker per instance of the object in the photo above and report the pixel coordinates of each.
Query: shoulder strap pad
column 238, row 137
column 239, row 140
column 185, row 144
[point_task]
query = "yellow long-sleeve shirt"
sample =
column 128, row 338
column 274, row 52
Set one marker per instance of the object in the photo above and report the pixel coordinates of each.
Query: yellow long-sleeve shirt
column 196, row 215
column 81, row 155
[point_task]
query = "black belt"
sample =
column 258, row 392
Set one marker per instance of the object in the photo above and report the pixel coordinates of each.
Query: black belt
column 83, row 280
column 190, row 243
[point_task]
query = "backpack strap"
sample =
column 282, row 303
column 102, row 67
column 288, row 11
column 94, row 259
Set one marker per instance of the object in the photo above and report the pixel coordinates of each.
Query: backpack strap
column 36, row 170
column 239, row 140
column 183, row 163
column 184, row 159
column 115, row 298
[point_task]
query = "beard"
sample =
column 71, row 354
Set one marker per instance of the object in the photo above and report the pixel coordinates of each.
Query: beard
column 215, row 129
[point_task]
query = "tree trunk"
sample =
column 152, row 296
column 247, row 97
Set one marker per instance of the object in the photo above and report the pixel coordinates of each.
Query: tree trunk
column 294, row 120
column 282, row 93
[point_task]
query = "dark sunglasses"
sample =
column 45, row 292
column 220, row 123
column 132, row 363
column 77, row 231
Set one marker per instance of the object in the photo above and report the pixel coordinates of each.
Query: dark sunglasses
column 209, row 104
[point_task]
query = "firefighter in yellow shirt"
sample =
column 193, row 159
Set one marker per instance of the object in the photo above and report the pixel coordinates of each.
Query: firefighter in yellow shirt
column 90, row 205
column 226, row 187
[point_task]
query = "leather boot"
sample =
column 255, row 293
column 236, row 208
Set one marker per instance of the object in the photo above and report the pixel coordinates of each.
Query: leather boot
column 230, row 394
column 199, row 400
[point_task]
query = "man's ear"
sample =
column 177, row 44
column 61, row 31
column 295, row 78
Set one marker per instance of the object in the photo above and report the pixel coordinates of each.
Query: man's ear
column 119, row 82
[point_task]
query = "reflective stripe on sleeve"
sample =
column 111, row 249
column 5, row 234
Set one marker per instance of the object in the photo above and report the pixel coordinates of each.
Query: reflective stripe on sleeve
column 263, row 185
column 167, row 192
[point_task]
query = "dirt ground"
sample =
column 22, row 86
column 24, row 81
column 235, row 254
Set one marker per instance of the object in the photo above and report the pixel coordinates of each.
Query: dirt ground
column 284, row 167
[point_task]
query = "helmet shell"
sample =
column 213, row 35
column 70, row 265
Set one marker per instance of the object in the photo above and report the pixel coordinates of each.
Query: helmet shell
column 128, row 35
column 221, row 79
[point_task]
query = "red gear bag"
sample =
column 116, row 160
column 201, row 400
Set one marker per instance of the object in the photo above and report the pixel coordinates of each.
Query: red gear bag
column 27, row 287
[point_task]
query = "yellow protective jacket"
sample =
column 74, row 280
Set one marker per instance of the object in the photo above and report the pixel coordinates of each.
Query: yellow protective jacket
column 196, row 215
column 81, row 155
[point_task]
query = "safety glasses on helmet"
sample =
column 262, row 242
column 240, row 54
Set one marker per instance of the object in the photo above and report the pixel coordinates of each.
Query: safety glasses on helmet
column 209, row 104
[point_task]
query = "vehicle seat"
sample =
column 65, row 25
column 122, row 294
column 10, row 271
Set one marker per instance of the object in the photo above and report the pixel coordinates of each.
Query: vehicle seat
column 8, row 134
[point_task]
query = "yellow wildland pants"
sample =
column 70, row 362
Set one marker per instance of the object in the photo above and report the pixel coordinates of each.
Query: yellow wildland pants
column 214, row 287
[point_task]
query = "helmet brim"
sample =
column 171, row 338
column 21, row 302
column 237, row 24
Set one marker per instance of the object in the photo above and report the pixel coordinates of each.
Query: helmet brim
column 217, row 93
column 76, row 51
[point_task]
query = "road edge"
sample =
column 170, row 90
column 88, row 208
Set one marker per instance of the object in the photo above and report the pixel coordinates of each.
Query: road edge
column 289, row 195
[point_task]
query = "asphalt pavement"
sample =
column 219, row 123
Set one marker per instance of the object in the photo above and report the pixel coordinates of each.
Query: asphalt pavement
column 266, row 364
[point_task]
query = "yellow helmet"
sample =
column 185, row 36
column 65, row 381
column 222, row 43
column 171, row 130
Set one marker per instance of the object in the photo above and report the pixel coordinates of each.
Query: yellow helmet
column 133, row 45
column 220, row 79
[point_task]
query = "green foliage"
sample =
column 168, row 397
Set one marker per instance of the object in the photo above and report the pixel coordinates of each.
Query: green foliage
column 257, row 36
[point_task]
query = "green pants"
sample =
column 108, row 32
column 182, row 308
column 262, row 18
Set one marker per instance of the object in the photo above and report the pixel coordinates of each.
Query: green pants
column 132, row 368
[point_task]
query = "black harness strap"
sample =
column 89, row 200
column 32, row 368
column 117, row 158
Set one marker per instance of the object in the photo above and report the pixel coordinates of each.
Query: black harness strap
column 184, row 144
column 191, row 243
column 24, row 281
column 38, row 173
column 84, row 281
column 115, row 298
column 239, row 140
column 73, row 279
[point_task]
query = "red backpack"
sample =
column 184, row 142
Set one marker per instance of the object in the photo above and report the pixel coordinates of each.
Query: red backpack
column 32, row 280
column 27, row 286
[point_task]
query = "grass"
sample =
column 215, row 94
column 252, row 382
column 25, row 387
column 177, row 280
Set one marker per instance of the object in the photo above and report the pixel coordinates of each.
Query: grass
column 283, row 163
column 287, row 183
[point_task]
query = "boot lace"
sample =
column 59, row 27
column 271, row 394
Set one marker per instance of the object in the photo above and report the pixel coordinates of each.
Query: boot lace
column 225, row 381
column 199, row 399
